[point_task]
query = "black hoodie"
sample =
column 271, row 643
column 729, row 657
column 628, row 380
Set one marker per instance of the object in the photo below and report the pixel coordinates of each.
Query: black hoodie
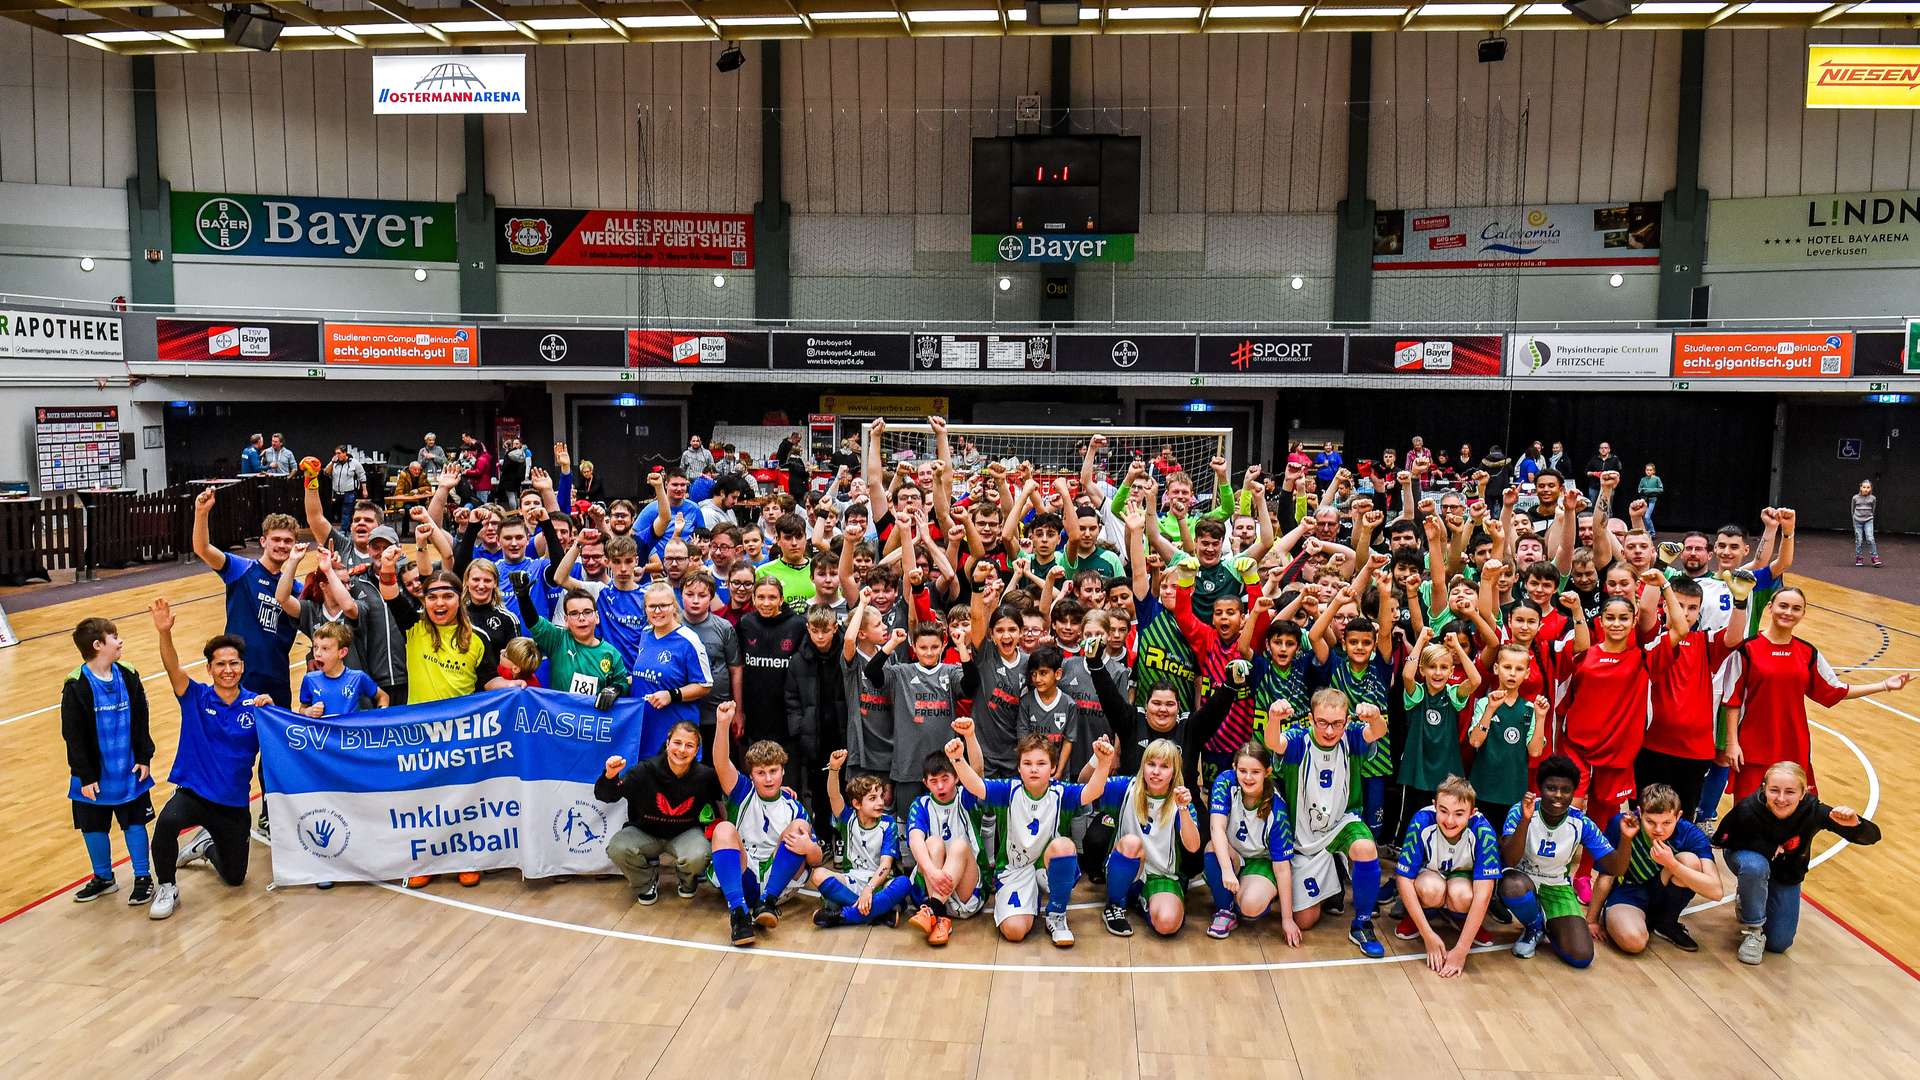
column 1788, row 841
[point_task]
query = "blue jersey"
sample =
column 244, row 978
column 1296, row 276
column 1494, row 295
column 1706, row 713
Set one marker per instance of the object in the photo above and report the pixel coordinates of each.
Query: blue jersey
column 1476, row 851
column 623, row 621
column 534, row 566
column 668, row 662
column 690, row 519
column 218, row 743
column 266, row 632
column 113, row 728
column 338, row 695
column 1641, row 869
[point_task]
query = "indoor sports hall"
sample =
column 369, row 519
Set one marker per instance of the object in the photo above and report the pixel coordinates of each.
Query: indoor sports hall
column 693, row 538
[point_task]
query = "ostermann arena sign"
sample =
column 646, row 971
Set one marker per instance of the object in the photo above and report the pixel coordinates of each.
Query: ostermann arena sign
column 464, row 83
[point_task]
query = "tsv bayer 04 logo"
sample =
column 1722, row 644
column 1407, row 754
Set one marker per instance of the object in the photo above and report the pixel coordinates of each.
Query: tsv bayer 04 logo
column 223, row 224
column 1011, row 248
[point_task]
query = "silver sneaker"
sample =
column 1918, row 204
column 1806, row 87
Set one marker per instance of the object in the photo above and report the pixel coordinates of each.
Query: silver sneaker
column 196, row 849
column 1057, row 927
column 165, row 899
column 1753, row 944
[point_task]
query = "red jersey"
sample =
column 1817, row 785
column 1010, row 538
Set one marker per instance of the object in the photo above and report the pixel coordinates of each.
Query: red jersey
column 1213, row 656
column 1607, row 702
column 1683, row 699
column 1769, row 684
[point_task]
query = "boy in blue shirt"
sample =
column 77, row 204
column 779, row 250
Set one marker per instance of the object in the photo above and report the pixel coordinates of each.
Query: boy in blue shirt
column 103, row 718
column 212, row 768
column 1668, row 863
column 336, row 689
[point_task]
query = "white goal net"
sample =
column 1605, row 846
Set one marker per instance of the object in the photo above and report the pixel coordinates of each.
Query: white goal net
column 1054, row 451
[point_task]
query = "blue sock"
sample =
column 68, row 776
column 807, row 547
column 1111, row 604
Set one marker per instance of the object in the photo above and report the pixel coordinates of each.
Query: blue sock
column 1216, row 881
column 840, row 893
column 885, row 900
column 137, row 847
column 1121, row 873
column 1062, row 873
column 1373, row 796
column 1526, row 911
column 785, row 865
column 726, row 870
column 1366, row 889
column 100, row 853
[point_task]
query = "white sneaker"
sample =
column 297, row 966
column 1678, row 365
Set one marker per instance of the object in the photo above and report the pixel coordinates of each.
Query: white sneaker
column 1058, row 928
column 196, row 849
column 165, row 899
column 1753, row 944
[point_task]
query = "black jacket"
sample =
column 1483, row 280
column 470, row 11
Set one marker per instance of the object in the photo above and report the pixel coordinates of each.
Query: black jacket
column 815, row 690
column 659, row 803
column 83, row 738
column 1787, row 841
column 1131, row 731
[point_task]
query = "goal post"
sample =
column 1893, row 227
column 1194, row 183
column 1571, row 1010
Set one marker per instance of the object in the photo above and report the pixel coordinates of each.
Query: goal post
column 1058, row 449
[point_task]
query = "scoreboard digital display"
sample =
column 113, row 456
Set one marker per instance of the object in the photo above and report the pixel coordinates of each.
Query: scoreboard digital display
column 1075, row 184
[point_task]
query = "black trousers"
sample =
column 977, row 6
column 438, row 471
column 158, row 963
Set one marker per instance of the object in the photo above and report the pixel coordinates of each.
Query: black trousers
column 228, row 825
column 1683, row 775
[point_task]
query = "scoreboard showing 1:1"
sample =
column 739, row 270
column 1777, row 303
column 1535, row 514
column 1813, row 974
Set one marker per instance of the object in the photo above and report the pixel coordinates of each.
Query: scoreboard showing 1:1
column 77, row 446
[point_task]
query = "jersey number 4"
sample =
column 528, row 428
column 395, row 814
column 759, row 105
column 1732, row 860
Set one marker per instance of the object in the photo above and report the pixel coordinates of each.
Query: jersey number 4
column 1033, row 827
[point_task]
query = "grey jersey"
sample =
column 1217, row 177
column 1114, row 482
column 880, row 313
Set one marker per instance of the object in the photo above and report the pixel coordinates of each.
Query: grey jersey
column 869, row 717
column 923, row 709
column 722, row 643
column 996, row 707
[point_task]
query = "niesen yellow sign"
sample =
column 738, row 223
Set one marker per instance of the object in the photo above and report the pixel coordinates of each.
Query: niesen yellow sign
column 1863, row 76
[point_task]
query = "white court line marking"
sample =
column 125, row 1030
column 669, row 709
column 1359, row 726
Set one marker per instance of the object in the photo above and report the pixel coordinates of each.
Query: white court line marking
column 1873, row 803
column 1883, row 705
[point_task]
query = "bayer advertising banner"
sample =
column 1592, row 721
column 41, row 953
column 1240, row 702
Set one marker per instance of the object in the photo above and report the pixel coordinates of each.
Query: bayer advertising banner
column 491, row 781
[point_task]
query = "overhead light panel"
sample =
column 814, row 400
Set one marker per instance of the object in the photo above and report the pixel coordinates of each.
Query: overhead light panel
column 1681, row 7
column 759, row 20
column 854, row 16
column 1600, row 12
column 1792, row 8
column 659, row 22
column 1358, row 12
column 251, row 28
column 1140, row 13
column 954, row 15
column 117, row 36
column 1462, row 11
column 1258, row 11
column 380, row 29
column 567, row 24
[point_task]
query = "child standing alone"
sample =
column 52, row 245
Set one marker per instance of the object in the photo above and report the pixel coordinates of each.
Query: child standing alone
column 1865, row 502
column 103, row 718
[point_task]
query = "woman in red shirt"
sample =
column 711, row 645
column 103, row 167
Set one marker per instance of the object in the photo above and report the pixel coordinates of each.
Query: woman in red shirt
column 1767, row 682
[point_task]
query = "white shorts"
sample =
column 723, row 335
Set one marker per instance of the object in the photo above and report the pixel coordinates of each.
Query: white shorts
column 971, row 906
column 1017, row 891
column 1315, row 877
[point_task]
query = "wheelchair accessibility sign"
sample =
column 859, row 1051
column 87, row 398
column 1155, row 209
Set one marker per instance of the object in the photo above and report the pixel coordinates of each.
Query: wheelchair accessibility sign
column 1849, row 450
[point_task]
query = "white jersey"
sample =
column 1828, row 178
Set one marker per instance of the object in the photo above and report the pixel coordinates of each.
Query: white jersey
column 1552, row 850
column 1026, row 824
column 1326, row 777
column 1247, row 831
column 762, row 821
column 1446, row 856
column 1716, row 605
column 866, row 845
column 945, row 821
column 1157, row 833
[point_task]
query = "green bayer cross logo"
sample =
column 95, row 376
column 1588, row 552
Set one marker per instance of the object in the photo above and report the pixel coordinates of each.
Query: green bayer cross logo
column 1010, row 248
column 223, row 224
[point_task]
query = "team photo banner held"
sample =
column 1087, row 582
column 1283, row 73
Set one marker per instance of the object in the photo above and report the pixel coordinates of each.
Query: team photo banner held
column 493, row 781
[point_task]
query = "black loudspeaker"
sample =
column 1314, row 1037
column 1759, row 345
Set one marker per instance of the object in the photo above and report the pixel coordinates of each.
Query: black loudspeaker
column 1119, row 185
column 1599, row 12
column 992, row 185
column 1700, row 305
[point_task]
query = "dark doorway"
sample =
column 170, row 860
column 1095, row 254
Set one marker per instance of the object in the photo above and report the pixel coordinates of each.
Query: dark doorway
column 1241, row 416
column 625, row 440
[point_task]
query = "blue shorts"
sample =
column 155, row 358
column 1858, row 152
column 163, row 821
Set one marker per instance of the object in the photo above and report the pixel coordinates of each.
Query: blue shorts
column 1630, row 895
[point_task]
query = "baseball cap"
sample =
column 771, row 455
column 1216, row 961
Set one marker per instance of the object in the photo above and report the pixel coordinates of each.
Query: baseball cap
column 383, row 533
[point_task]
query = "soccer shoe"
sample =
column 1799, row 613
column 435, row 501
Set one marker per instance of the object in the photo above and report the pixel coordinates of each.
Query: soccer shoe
column 687, row 888
column 766, row 916
column 740, row 927
column 1753, row 944
column 1528, row 944
column 418, row 881
column 469, row 878
column 1481, row 937
column 826, row 917
column 648, row 894
column 200, row 847
column 142, row 892
column 1223, row 924
column 1405, row 930
column 165, row 899
column 1058, row 929
column 1497, row 911
column 1363, row 936
column 94, row 889
column 264, row 827
column 942, row 931
column 1335, row 904
column 923, row 920
column 1681, row 937
column 1116, row 919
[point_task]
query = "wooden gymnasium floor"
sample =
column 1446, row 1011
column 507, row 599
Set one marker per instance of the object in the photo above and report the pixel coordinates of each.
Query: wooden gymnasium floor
column 573, row 980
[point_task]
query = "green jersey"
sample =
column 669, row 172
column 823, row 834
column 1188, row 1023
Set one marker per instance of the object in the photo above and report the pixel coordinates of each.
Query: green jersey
column 796, row 582
column 574, row 666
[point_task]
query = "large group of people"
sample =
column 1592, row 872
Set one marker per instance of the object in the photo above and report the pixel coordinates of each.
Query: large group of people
column 1445, row 698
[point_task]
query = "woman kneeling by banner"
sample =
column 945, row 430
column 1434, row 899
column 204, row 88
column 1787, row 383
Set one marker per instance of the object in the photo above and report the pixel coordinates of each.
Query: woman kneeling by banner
column 671, row 800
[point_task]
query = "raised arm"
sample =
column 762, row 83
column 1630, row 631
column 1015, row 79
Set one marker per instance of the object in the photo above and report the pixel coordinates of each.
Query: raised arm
column 215, row 559
column 442, row 488
column 283, row 586
column 335, row 587
column 317, row 524
column 962, row 768
column 723, row 770
column 169, row 659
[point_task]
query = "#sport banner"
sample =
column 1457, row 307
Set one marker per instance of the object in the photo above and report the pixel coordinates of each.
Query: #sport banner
column 410, row 346
column 1255, row 354
column 1590, row 356
column 531, row 236
column 202, row 341
column 490, row 781
column 696, row 349
column 1777, row 354
column 1466, row 238
column 1389, row 354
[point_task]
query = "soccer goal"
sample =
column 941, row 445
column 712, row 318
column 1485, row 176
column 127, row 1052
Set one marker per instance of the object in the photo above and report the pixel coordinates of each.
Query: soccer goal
column 1056, row 450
